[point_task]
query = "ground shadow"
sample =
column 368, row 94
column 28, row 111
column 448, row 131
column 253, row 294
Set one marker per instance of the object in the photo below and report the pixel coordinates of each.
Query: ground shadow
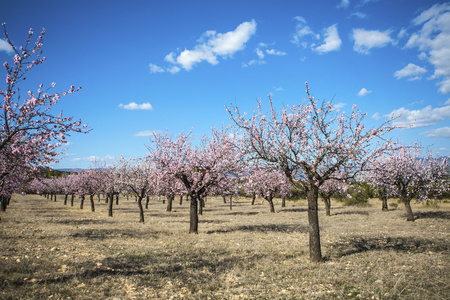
column 433, row 215
column 399, row 244
column 355, row 212
column 264, row 228
column 100, row 234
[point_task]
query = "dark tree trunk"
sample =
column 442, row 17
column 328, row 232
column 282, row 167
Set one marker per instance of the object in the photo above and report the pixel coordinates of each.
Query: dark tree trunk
column 327, row 201
column 224, row 199
column 272, row 207
column 141, row 210
column 201, row 206
column 71, row 200
column 169, row 202
column 193, row 216
column 181, row 199
column 315, row 252
column 147, row 200
column 98, row 196
column 409, row 213
column 384, row 198
column 91, row 198
column 231, row 202
column 65, row 199
column 110, row 204
column 81, row 201
column 107, row 198
column 117, row 199
column 283, row 201
column 253, row 198
column 3, row 204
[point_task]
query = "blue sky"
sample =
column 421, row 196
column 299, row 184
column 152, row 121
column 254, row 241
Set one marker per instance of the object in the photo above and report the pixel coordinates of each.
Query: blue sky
column 173, row 65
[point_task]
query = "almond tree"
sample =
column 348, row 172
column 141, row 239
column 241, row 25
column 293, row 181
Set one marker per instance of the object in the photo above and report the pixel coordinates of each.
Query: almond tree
column 404, row 172
column 198, row 167
column 309, row 141
column 137, row 175
column 31, row 134
column 266, row 182
column 336, row 186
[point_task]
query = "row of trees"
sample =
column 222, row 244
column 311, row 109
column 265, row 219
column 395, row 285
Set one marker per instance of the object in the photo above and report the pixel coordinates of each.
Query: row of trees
column 309, row 147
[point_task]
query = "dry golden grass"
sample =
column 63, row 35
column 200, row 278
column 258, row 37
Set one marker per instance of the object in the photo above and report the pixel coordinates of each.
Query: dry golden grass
column 48, row 250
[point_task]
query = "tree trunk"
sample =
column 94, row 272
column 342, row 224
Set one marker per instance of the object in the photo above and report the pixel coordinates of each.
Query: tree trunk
column 147, row 201
column 224, row 199
column 409, row 213
column 65, row 199
column 201, row 206
column 253, row 198
column 384, row 198
column 231, row 202
column 315, row 252
column 82, row 202
column 193, row 216
column 2, row 204
column 91, row 198
column 141, row 210
column 327, row 201
column 117, row 199
column 272, row 207
column 169, row 202
column 283, row 201
column 181, row 199
column 110, row 204
column 71, row 200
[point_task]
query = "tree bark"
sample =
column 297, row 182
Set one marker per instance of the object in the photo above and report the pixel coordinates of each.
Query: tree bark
column 181, row 199
column 71, row 199
column 193, row 222
column 327, row 201
column 272, row 207
column 283, row 201
column 409, row 213
column 253, row 198
column 315, row 252
column 169, row 202
column 91, row 198
column 65, row 199
column 117, row 199
column 82, row 202
column 110, row 204
column 231, row 202
column 384, row 198
column 141, row 210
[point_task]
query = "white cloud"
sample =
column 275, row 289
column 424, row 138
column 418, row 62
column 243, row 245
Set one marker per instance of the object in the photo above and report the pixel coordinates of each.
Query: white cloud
column 434, row 39
column 259, row 53
column 278, row 88
column 339, row 105
column 376, row 116
column 443, row 132
column 332, row 42
column 4, row 46
column 365, row 40
column 420, row 118
column 343, row 4
column 359, row 15
column 94, row 158
column 253, row 62
column 275, row 52
column 411, row 70
column 135, row 106
column 301, row 30
column 146, row 133
column 213, row 44
column 155, row 69
column 364, row 92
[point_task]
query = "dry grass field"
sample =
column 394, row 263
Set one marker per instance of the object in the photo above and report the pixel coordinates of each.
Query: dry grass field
column 52, row 251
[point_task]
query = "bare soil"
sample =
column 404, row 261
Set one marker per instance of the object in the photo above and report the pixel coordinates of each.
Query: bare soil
column 52, row 251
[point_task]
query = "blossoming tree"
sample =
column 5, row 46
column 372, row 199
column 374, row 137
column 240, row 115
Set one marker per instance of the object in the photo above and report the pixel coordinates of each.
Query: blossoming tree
column 309, row 142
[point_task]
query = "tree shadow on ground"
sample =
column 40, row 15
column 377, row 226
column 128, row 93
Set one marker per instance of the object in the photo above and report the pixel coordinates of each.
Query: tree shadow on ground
column 264, row 228
column 101, row 234
column 399, row 244
column 242, row 213
column 445, row 215
column 297, row 209
column 355, row 212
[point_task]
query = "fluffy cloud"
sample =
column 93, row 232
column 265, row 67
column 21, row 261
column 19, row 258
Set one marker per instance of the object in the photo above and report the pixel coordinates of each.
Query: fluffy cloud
column 155, row 69
column 443, row 132
column 420, row 118
column 411, row 70
column 301, row 30
column 364, row 92
column 433, row 38
column 275, row 52
column 94, row 158
column 212, row 45
column 146, row 133
column 135, row 106
column 343, row 4
column 4, row 46
column 365, row 40
column 332, row 42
